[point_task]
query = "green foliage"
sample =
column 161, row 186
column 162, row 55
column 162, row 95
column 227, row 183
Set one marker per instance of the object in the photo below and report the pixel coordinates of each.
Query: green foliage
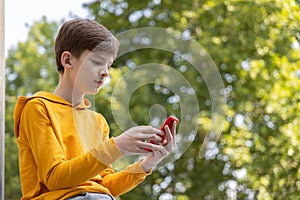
column 254, row 45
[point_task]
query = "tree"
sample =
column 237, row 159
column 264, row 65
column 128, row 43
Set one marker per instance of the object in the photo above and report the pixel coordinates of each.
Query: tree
column 252, row 43
column 254, row 46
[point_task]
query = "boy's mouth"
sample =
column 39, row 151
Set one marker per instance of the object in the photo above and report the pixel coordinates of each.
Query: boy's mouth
column 99, row 82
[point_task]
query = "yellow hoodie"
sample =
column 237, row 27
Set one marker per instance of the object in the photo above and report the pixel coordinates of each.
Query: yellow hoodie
column 66, row 150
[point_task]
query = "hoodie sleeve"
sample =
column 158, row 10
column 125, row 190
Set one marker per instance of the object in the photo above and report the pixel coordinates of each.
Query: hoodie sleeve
column 123, row 181
column 54, row 171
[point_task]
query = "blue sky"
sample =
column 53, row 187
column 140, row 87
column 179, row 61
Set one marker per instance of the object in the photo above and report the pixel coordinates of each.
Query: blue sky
column 20, row 12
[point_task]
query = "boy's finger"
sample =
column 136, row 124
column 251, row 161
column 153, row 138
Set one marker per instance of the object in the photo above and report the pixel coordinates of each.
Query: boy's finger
column 150, row 130
column 174, row 128
column 174, row 133
column 151, row 146
column 168, row 134
column 143, row 136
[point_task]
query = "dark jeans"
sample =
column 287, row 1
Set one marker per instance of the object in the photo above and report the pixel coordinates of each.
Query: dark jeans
column 92, row 196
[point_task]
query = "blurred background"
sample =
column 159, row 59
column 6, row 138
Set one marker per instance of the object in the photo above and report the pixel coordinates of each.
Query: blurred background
column 255, row 46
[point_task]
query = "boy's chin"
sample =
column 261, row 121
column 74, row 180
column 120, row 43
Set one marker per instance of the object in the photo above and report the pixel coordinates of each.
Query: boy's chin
column 94, row 92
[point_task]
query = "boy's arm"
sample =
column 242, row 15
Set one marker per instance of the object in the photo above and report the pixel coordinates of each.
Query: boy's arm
column 53, row 169
column 123, row 181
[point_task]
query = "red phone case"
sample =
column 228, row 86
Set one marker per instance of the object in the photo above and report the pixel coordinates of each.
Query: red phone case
column 169, row 121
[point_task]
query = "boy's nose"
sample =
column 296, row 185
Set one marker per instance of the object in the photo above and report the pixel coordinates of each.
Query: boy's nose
column 104, row 73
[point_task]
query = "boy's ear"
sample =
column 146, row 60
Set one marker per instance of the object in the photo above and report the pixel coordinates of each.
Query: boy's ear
column 65, row 59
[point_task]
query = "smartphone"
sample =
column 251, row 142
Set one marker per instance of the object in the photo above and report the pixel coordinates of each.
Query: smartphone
column 169, row 121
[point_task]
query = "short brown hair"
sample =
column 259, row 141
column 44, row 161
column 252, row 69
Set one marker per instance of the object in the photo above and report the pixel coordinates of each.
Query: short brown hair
column 78, row 35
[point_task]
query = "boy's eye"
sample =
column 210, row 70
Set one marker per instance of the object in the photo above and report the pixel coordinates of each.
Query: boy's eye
column 97, row 63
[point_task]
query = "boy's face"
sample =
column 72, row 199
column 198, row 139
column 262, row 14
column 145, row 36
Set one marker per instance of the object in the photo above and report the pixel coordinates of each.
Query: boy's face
column 91, row 70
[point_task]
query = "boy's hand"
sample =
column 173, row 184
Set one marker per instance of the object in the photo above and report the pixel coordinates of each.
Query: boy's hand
column 134, row 141
column 152, row 160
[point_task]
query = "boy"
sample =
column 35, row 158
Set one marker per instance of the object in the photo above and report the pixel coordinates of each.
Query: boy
column 64, row 148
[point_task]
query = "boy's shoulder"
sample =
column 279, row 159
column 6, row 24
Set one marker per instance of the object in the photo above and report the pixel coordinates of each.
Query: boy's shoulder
column 48, row 97
column 44, row 99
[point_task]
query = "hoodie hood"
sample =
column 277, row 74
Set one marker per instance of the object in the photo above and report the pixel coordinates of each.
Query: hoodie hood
column 44, row 96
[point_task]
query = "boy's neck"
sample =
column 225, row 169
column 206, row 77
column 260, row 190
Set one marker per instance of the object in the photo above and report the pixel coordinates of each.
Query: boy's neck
column 68, row 94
